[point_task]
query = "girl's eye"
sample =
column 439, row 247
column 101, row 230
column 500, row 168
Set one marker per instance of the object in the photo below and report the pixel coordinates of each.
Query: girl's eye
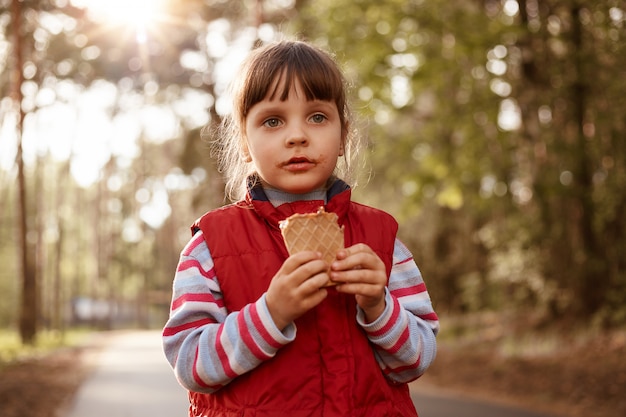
column 272, row 122
column 318, row 118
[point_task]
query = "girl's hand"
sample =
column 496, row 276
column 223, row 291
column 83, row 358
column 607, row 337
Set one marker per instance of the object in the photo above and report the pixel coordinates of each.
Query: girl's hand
column 297, row 287
column 360, row 271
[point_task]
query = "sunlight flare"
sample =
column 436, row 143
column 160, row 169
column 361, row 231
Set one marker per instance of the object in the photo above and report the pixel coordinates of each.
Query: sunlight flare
column 137, row 14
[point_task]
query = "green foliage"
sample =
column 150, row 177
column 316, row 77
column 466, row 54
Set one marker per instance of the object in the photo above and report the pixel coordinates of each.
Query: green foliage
column 96, row 240
column 499, row 213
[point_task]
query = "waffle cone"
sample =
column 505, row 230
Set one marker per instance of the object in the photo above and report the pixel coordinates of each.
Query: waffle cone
column 317, row 232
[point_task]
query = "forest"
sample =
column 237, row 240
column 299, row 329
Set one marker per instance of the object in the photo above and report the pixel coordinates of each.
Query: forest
column 494, row 131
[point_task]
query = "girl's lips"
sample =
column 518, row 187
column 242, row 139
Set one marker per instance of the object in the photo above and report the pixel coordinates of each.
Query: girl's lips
column 298, row 164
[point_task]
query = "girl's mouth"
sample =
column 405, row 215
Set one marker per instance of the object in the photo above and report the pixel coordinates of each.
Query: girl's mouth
column 298, row 164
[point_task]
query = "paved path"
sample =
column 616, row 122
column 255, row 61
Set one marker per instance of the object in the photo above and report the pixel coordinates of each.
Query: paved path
column 131, row 378
column 447, row 405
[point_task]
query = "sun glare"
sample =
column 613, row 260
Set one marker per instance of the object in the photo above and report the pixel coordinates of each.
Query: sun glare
column 136, row 14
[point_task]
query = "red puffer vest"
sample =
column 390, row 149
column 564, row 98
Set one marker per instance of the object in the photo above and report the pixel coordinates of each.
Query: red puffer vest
column 330, row 368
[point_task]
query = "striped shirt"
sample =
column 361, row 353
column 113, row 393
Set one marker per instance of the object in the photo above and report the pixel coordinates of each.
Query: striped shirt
column 209, row 346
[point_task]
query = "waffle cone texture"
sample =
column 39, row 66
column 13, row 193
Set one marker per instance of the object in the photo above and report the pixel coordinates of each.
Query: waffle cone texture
column 318, row 232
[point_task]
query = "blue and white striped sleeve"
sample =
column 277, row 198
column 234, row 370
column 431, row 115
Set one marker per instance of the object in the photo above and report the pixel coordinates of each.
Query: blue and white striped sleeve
column 206, row 345
column 404, row 336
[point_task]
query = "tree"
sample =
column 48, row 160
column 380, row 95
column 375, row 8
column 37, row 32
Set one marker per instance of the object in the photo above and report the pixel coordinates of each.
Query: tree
column 29, row 304
column 506, row 159
column 172, row 61
column 505, row 151
column 569, row 73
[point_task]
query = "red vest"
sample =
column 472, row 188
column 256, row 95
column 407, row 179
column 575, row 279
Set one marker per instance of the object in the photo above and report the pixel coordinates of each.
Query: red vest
column 330, row 368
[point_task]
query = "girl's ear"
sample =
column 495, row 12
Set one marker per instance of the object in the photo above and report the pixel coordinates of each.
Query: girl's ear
column 344, row 137
column 245, row 152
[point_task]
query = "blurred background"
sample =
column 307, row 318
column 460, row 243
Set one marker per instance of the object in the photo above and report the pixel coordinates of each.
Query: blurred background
column 495, row 134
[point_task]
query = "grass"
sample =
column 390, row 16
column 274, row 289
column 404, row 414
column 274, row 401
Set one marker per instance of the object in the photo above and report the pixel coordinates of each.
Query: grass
column 12, row 349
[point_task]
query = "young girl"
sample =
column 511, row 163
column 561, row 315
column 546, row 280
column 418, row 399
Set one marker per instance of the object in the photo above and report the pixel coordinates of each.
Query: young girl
column 253, row 331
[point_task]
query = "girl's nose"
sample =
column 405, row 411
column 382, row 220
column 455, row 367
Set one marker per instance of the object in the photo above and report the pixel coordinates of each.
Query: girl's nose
column 297, row 137
column 298, row 141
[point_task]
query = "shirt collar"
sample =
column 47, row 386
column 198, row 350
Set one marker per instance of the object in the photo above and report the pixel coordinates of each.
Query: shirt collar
column 275, row 205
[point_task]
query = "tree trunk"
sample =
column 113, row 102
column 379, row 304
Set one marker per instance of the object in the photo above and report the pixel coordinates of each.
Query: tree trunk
column 28, row 305
column 593, row 272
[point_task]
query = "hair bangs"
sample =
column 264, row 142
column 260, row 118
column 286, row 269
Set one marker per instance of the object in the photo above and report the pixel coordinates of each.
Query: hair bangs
column 315, row 78
column 276, row 75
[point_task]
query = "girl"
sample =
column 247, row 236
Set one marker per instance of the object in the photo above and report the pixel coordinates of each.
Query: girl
column 252, row 331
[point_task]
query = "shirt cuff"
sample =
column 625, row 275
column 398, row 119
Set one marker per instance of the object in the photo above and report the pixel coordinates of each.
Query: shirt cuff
column 284, row 337
column 382, row 321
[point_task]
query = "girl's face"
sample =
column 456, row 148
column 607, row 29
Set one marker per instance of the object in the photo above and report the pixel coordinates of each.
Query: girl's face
column 295, row 143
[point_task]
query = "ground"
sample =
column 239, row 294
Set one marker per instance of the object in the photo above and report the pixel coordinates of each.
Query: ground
column 589, row 384
column 562, row 369
column 567, row 376
column 41, row 386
